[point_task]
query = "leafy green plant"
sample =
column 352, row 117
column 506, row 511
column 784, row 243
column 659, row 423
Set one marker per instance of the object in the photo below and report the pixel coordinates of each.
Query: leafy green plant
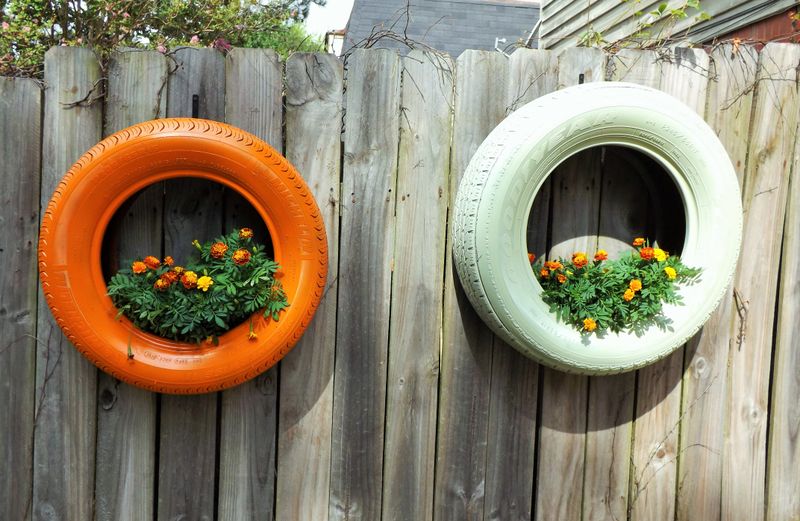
column 232, row 279
column 28, row 28
column 627, row 294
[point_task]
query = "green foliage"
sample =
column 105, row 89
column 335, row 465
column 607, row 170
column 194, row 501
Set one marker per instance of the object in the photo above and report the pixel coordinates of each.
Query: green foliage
column 29, row 27
column 588, row 294
column 182, row 310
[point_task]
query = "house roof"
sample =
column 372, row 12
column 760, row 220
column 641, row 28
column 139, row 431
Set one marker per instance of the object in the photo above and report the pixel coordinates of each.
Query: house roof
column 451, row 26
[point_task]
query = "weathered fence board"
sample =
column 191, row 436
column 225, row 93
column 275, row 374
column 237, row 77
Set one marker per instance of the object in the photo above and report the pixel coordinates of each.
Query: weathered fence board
column 730, row 100
column 313, row 127
column 684, row 74
column 399, row 403
column 466, row 359
column 20, row 148
column 421, row 216
column 192, row 210
column 371, row 132
column 66, row 383
column 249, row 415
column 772, row 136
column 126, row 415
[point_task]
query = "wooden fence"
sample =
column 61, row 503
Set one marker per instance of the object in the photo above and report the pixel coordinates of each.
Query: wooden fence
column 399, row 404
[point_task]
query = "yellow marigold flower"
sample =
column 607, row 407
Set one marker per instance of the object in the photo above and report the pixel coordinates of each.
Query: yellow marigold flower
column 638, row 241
column 245, row 233
column 635, row 285
column 601, row 255
column 138, row 267
column 218, row 250
column 169, row 261
column 671, row 274
column 561, row 278
column 544, row 273
column 589, row 324
column 241, row 257
column 204, row 282
column 189, row 280
column 628, row 296
column 659, row 254
column 161, row 284
column 579, row 259
column 178, row 269
column 152, row 262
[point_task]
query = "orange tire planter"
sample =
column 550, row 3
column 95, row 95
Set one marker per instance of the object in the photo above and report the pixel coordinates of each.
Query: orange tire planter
column 115, row 169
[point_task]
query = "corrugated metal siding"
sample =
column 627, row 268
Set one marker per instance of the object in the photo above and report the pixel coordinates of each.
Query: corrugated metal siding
column 564, row 21
column 447, row 25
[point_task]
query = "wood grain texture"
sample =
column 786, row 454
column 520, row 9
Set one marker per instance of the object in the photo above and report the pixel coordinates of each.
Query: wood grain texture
column 20, row 171
column 249, row 415
column 511, row 440
column 636, row 66
column 783, row 463
column 730, row 100
column 466, row 358
column 126, row 415
column 192, row 210
column 573, row 227
column 313, row 129
column 66, row 383
column 371, row 133
column 684, row 75
column 423, row 172
column 773, row 131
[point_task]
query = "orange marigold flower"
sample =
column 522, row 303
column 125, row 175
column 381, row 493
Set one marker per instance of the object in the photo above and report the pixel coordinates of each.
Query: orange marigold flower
column 647, row 253
column 601, row 255
column 241, row 257
column 635, row 285
column 139, row 267
column 531, row 257
column 553, row 265
column 671, row 274
column 245, row 233
column 171, row 276
column 204, row 282
column 169, row 261
column 161, row 284
column 561, row 278
column 628, row 295
column 218, row 250
column 579, row 259
column 638, row 241
column 189, row 280
column 544, row 273
column 660, row 254
column 152, row 262
column 589, row 324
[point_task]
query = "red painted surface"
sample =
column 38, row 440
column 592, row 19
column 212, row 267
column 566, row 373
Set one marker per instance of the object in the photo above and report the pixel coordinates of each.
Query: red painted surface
column 775, row 28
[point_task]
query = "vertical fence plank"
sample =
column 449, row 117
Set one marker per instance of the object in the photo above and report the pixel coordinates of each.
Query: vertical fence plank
column 66, row 383
column 253, row 102
column 658, row 407
column 772, row 131
column 705, row 373
column 371, row 132
column 20, row 170
column 575, row 211
column 314, row 85
column 192, row 210
column 783, row 471
column 515, row 378
column 421, row 216
column 126, row 415
column 466, row 358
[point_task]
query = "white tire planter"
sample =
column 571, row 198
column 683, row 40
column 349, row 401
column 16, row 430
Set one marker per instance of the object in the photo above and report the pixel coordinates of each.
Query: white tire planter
column 497, row 191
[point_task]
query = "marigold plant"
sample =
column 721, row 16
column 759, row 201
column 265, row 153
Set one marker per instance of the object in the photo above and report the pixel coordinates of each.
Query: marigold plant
column 627, row 294
column 231, row 279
